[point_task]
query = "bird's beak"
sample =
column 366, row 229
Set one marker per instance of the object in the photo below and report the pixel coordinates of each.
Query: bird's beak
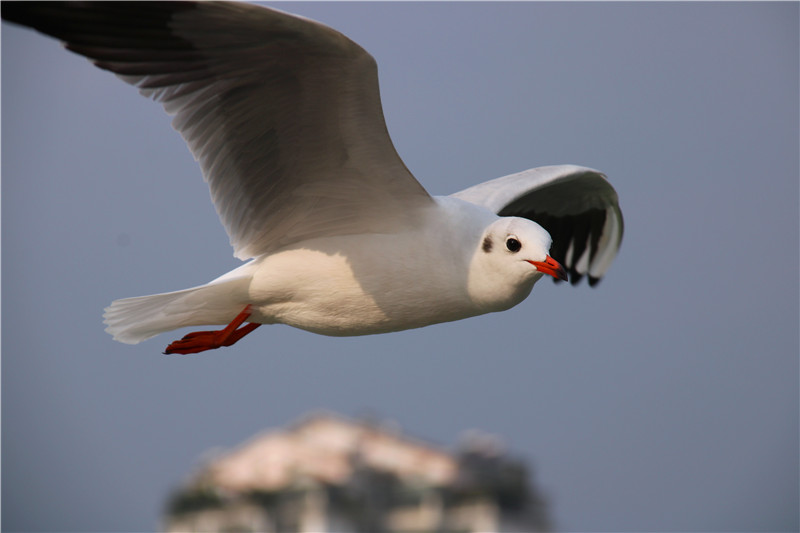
column 552, row 267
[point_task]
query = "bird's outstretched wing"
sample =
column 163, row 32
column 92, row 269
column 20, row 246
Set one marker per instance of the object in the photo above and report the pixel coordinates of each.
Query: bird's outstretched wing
column 283, row 113
column 576, row 205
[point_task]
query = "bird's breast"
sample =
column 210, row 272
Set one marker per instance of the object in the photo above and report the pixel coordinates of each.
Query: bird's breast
column 336, row 289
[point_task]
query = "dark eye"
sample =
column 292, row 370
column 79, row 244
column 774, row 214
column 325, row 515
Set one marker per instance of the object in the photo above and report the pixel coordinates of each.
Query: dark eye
column 513, row 244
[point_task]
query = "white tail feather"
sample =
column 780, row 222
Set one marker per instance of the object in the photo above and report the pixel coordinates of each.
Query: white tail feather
column 132, row 320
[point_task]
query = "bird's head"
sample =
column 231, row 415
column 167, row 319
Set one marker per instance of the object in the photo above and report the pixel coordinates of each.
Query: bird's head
column 511, row 256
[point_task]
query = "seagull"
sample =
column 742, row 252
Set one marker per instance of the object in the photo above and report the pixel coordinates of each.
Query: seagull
column 284, row 116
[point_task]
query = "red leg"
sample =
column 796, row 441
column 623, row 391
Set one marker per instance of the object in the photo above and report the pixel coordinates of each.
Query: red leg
column 200, row 341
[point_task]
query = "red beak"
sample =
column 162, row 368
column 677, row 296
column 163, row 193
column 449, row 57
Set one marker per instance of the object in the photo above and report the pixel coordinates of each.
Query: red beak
column 552, row 267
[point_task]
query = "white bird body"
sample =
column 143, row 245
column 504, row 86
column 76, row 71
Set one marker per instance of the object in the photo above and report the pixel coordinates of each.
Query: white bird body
column 434, row 271
column 367, row 283
column 284, row 116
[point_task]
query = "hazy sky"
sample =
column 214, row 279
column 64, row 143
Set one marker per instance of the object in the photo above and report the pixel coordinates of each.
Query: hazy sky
column 665, row 399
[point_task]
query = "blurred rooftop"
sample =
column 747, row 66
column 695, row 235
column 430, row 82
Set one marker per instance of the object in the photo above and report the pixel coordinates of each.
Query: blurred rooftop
column 327, row 472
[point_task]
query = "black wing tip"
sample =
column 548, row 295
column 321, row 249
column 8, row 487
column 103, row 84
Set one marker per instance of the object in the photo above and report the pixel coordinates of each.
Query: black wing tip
column 67, row 20
column 575, row 279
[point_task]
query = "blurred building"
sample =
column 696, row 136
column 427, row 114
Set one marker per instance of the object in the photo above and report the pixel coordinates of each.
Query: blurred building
column 330, row 473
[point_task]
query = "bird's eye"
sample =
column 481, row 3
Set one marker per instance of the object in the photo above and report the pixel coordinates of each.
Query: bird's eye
column 513, row 244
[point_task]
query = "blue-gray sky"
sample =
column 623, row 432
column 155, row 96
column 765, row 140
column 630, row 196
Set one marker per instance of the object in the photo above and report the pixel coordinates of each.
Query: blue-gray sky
column 666, row 399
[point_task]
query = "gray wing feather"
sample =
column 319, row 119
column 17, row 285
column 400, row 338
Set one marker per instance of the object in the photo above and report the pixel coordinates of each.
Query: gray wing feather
column 282, row 113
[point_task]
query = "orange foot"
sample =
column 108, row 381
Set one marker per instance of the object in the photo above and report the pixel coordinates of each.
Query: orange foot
column 200, row 341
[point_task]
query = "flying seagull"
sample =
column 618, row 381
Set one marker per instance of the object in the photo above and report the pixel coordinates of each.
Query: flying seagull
column 284, row 116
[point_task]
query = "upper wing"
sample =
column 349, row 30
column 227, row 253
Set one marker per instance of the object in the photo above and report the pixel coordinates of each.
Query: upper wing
column 576, row 205
column 283, row 113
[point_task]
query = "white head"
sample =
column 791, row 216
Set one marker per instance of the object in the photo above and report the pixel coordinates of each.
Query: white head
column 511, row 256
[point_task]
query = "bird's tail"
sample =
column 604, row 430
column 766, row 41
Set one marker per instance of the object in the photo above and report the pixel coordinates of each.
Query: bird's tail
column 132, row 320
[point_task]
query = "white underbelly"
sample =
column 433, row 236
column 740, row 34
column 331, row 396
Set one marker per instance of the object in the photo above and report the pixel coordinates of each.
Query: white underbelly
column 332, row 294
